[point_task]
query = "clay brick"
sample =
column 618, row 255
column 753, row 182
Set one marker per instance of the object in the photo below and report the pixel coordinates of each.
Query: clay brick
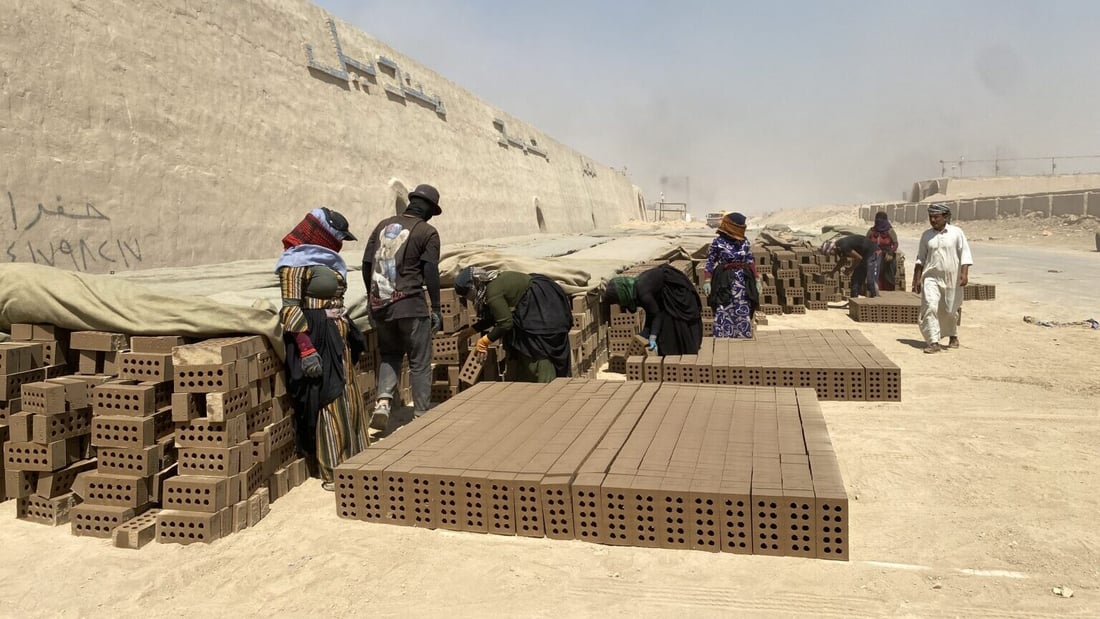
column 196, row 493
column 48, row 457
column 20, row 427
column 204, row 378
column 117, row 490
column 19, row 484
column 527, row 503
column 48, row 511
column 50, row 428
column 210, row 461
column 56, row 483
column 155, row 344
column 44, row 397
column 11, row 384
column 137, row 531
column 124, row 399
column 223, row 405
column 16, row 357
column 203, row 433
column 156, row 367
column 98, row 520
column 187, row 406
column 557, row 507
column 183, row 527
column 471, row 369
column 98, row 341
column 9, row 408
column 132, row 432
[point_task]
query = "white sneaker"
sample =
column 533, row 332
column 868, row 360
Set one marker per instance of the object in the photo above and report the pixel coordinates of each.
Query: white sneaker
column 380, row 418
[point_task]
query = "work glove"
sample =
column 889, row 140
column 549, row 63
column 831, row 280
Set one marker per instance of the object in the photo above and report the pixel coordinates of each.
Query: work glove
column 706, row 287
column 437, row 321
column 311, row 365
column 653, row 343
column 483, row 344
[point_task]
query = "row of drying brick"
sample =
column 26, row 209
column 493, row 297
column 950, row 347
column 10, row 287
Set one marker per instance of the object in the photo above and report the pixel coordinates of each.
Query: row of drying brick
column 837, row 364
column 482, row 464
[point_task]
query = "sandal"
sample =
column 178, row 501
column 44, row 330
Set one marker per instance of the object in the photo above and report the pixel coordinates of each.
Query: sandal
column 932, row 348
column 953, row 342
column 328, row 485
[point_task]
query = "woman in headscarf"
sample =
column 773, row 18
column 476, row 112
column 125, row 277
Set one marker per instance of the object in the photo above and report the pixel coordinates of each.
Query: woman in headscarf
column 730, row 280
column 322, row 344
column 531, row 314
column 882, row 233
column 673, row 312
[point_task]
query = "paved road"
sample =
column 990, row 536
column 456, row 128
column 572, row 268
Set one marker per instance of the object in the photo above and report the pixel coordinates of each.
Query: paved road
column 1057, row 283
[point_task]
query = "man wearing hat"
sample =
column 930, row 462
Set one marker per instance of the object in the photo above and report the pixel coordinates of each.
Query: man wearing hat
column 943, row 269
column 400, row 261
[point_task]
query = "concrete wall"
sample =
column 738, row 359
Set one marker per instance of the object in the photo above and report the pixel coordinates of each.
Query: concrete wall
column 181, row 132
column 1048, row 205
column 978, row 187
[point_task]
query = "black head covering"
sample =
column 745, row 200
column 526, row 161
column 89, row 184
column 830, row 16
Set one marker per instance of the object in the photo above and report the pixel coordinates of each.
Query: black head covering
column 424, row 202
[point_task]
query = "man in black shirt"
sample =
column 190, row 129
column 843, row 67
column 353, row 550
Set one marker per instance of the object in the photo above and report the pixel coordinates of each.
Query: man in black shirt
column 866, row 260
column 401, row 259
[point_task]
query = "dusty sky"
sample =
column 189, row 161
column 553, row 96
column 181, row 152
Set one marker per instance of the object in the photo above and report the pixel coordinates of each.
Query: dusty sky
column 768, row 105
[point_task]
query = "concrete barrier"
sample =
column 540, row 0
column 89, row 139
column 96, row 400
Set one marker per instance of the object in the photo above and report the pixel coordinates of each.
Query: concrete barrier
column 985, row 209
column 1067, row 204
column 1035, row 204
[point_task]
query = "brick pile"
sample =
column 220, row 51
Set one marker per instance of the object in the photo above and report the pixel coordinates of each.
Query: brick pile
column 798, row 278
column 45, row 423
column 891, row 306
column 746, row 470
column 836, row 364
column 979, row 292
column 131, row 427
column 235, row 438
column 153, row 437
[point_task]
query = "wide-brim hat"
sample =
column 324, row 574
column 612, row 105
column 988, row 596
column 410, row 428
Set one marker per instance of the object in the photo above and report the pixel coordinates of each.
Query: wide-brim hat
column 429, row 193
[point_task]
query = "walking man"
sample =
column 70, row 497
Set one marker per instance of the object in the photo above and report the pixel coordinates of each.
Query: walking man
column 943, row 269
column 400, row 261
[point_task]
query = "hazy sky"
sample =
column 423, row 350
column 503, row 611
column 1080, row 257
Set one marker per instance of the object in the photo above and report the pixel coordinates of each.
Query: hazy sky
column 768, row 105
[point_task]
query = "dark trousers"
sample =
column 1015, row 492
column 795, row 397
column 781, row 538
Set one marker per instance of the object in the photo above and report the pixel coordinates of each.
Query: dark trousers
column 865, row 276
column 412, row 337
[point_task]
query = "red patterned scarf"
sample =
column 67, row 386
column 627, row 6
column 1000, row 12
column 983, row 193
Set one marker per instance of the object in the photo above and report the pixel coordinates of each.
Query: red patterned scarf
column 310, row 231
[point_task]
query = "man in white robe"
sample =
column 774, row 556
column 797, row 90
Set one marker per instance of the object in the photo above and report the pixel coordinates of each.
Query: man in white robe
column 942, row 270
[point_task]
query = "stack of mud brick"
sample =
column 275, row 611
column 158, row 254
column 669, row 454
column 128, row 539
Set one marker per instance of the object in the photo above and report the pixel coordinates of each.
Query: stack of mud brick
column 979, row 292
column 588, row 339
column 131, row 428
column 836, row 364
column 796, row 279
column 623, row 340
column 47, row 434
column 234, row 434
column 744, row 470
column 450, row 349
column 891, row 306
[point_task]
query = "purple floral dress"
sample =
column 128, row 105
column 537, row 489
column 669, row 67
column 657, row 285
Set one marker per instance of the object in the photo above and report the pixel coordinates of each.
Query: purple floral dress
column 735, row 319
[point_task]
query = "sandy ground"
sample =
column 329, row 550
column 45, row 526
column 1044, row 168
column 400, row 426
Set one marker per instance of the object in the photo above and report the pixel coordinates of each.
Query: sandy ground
column 974, row 496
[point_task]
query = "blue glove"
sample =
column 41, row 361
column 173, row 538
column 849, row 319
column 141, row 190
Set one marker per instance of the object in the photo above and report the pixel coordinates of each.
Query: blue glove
column 311, row 365
column 653, row 343
column 706, row 287
column 437, row 321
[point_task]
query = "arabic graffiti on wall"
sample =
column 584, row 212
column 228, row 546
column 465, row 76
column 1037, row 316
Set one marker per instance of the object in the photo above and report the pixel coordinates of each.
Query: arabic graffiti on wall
column 348, row 69
column 31, row 236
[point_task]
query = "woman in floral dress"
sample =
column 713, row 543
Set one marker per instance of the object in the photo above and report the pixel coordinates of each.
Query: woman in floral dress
column 730, row 263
